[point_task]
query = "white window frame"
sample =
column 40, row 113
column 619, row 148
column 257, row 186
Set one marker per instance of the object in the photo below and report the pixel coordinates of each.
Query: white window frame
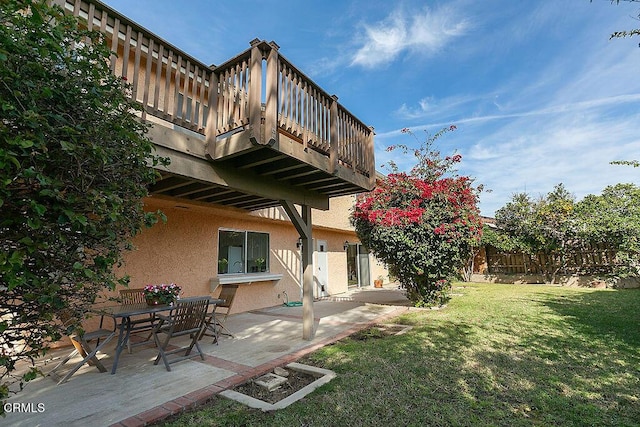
column 245, row 255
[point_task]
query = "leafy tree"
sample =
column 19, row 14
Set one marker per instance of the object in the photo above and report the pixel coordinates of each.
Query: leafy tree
column 558, row 227
column 74, row 167
column 544, row 226
column 423, row 225
column 493, row 236
column 613, row 219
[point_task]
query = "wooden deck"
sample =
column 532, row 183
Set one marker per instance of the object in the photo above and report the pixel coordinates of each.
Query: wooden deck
column 248, row 133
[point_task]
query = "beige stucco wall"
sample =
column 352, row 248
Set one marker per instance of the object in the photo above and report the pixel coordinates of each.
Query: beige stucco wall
column 184, row 250
column 336, row 259
column 337, row 216
column 378, row 270
column 333, row 225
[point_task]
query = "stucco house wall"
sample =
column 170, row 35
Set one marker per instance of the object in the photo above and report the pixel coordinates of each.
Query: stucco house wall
column 337, row 217
column 184, row 250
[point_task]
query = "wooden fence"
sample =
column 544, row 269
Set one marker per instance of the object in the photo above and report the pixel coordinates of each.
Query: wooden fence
column 587, row 260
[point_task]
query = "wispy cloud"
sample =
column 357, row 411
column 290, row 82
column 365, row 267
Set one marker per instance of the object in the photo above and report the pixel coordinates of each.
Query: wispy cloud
column 427, row 32
column 431, row 106
column 554, row 109
column 452, row 104
column 534, row 155
column 571, row 142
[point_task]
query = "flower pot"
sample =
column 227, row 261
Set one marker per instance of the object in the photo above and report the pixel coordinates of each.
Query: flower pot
column 153, row 301
column 377, row 283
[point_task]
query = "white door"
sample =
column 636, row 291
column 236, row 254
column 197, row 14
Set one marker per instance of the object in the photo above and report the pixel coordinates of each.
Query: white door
column 321, row 270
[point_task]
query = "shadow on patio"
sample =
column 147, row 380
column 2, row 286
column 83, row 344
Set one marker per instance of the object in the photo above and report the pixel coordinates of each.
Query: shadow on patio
column 141, row 392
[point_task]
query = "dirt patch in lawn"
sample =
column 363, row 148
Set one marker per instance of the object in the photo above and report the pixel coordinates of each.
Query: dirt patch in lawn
column 295, row 380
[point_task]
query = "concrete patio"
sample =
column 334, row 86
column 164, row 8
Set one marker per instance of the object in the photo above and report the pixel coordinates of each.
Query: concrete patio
column 141, row 393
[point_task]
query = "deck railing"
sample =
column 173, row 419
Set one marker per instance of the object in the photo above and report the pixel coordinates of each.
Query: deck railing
column 257, row 90
column 262, row 86
column 231, row 100
column 319, row 122
column 170, row 84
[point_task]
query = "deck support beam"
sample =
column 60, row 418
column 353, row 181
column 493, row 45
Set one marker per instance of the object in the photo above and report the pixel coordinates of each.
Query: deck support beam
column 189, row 158
column 303, row 225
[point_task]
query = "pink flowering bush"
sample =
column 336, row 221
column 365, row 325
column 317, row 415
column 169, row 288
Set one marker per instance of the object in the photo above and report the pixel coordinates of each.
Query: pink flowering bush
column 421, row 224
column 163, row 293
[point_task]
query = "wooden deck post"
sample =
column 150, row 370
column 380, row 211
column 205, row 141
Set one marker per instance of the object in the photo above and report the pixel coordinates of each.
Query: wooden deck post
column 371, row 163
column 303, row 225
column 271, row 101
column 333, row 134
column 212, row 115
column 255, row 93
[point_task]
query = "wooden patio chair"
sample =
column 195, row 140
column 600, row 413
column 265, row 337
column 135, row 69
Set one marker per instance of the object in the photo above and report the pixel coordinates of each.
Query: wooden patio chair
column 214, row 323
column 186, row 319
column 139, row 324
column 82, row 345
column 209, row 328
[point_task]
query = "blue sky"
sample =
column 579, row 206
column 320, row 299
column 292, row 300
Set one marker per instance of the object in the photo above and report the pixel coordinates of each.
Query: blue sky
column 538, row 92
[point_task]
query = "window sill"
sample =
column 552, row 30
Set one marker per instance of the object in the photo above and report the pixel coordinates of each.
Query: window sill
column 244, row 279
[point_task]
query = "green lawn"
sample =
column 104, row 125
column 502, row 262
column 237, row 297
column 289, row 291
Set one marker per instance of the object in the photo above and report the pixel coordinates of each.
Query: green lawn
column 500, row 355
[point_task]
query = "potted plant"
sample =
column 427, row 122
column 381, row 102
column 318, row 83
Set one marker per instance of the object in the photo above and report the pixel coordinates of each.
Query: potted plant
column 161, row 294
column 223, row 264
column 260, row 264
column 378, row 282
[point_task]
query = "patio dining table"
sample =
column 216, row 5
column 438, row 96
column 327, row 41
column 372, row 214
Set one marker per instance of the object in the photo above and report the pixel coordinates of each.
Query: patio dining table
column 122, row 315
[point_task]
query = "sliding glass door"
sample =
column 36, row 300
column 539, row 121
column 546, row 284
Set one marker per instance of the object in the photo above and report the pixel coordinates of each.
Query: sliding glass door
column 358, row 272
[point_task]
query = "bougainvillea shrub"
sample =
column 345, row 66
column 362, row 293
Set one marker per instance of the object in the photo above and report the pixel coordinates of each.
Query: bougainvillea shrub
column 422, row 226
